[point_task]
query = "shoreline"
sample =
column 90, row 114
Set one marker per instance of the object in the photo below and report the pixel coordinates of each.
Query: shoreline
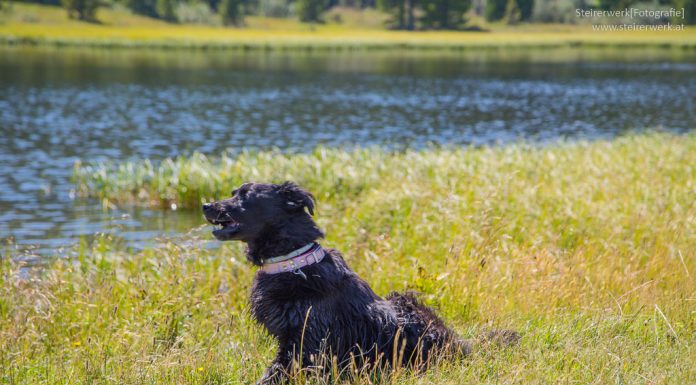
column 328, row 45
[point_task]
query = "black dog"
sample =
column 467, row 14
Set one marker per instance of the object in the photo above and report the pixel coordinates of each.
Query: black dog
column 311, row 301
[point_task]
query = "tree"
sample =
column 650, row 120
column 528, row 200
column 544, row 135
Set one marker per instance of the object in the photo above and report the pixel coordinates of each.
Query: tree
column 231, row 12
column 689, row 11
column 512, row 12
column 214, row 4
column 526, row 8
column 495, row 9
column 444, row 14
column 402, row 12
column 81, row 9
column 616, row 4
column 49, row 2
column 142, row 7
column 310, row 10
column 165, row 9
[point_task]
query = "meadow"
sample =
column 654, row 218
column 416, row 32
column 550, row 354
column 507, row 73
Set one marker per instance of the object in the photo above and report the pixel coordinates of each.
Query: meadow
column 33, row 24
column 586, row 248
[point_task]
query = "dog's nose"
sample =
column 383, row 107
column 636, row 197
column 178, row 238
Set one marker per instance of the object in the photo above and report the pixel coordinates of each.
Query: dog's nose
column 207, row 206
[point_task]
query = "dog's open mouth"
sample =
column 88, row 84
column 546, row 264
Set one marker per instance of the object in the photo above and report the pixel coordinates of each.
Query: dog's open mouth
column 228, row 228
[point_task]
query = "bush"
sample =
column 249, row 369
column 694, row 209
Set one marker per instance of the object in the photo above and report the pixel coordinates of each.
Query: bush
column 554, row 11
column 81, row 9
column 194, row 13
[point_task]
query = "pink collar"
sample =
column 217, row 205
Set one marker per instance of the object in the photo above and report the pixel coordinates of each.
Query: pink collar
column 294, row 261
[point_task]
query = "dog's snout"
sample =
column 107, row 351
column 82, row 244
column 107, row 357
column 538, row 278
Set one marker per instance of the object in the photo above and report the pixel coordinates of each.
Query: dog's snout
column 207, row 206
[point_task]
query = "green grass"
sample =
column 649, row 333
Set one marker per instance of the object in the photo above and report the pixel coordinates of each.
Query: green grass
column 588, row 249
column 46, row 25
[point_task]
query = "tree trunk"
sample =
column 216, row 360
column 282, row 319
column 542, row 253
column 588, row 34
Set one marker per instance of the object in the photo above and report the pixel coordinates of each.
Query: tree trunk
column 402, row 22
column 411, row 23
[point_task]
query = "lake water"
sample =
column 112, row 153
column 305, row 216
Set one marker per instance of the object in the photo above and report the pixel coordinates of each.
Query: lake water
column 58, row 105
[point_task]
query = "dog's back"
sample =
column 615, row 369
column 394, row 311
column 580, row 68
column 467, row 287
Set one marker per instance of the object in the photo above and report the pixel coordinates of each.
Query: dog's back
column 333, row 311
column 424, row 333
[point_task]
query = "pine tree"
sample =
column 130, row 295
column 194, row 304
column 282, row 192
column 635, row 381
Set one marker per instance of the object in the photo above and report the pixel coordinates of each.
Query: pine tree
column 310, row 11
column 526, row 8
column 231, row 12
column 402, row 12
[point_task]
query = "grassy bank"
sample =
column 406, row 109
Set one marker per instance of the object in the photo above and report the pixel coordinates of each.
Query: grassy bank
column 45, row 25
column 589, row 250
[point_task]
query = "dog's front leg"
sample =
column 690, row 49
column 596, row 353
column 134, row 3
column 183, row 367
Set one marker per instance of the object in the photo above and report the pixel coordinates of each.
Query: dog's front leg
column 286, row 364
column 279, row 370
column 276, row 374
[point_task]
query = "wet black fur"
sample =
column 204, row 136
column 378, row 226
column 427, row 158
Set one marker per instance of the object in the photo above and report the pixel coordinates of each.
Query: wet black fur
column 332, row 311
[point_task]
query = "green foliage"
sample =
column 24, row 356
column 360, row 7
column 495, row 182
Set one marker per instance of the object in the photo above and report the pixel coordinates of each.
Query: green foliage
column 310, row 10
column 275, row 8
column 402, row 12
column 405, row 14
column 48, row 2
column 512, row 12
column 213, row 4
column 166, row 10
column 194, row 13
column 142, row 7
column 555, row 11
column 526, row 8
column 495, row 9
column 81, row 9
column 689, row 11
column 231, row 12
column 616, row 4
column 444, row 14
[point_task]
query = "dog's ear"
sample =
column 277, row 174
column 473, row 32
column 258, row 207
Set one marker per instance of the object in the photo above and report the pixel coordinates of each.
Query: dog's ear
column 296, row 198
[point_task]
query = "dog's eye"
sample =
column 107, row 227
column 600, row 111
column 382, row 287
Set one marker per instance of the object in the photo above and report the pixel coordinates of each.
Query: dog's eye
column 240, row 192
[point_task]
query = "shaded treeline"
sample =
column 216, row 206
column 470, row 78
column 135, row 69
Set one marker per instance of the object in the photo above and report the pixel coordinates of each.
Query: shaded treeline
column 404, row 14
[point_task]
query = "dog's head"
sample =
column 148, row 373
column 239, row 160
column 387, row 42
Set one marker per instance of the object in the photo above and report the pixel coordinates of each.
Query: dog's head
column 256, row 208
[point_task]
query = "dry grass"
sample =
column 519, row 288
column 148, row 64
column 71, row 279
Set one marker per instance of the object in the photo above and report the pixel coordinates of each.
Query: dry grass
column 588, row 249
